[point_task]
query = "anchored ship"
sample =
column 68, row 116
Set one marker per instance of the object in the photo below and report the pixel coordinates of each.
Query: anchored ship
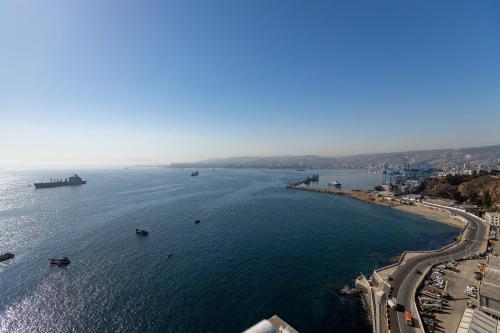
column 73, row 180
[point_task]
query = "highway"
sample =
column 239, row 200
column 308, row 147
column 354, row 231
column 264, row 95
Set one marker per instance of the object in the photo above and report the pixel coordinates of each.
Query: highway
column 405, row 278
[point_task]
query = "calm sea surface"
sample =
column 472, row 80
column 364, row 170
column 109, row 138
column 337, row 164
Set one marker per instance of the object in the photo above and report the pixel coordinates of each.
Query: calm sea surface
column 259, row 250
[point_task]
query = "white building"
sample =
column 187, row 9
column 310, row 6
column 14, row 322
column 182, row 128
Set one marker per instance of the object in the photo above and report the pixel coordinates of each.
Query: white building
column 492, row 218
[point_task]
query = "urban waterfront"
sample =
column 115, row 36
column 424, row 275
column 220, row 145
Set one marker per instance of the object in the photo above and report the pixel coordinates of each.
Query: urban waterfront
column 259, row 250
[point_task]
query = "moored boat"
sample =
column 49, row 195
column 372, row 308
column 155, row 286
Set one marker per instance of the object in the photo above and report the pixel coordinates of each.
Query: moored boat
column 63, row 261
column 335, row 184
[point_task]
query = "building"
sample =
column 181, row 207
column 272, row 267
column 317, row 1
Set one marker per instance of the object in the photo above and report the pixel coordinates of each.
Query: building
column 489, row 297
column 477, row 321
column 492, row 218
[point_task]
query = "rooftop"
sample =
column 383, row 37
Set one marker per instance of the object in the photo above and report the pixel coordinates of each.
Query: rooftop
column 494, row 261
column 490, row 289
column 476, row 321
column 492, row 274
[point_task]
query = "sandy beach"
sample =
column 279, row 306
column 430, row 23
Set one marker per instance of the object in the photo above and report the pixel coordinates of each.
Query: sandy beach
column 415, row 208
column 432, row 214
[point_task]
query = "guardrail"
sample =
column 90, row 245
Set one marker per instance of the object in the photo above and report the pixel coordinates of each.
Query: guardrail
column 414, row 293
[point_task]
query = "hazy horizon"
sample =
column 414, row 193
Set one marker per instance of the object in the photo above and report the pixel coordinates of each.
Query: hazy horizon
column 118, row 83
column 134, row 164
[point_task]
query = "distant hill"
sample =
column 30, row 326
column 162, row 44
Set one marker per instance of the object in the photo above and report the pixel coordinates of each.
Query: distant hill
column 487, row 157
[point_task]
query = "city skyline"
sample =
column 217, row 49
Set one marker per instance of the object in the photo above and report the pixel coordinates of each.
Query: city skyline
column 121, row 83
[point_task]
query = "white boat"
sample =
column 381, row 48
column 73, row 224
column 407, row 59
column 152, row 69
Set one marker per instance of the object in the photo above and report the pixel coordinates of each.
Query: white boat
column 335, row 184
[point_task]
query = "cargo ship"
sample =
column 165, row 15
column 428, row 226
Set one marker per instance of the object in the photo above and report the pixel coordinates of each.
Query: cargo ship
column 73, row 180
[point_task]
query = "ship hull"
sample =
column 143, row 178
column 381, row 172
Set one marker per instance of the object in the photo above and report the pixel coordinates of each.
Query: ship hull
column 58, row 184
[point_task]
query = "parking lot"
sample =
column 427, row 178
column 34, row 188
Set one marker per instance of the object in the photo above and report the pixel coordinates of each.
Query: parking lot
column 444, row 298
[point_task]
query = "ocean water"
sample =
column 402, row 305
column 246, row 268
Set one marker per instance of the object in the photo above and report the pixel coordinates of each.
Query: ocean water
column 260, row 249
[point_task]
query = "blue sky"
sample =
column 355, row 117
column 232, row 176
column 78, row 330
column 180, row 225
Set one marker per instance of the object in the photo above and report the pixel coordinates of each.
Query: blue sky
column 131, row 82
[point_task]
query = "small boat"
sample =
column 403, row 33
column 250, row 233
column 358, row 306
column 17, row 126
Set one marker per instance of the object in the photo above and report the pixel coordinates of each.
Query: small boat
column 194, row 173
column 141, row 232
column 6, row 256
column 60, row 261
column 197, row 221
column 170, row 255
column 335, row 184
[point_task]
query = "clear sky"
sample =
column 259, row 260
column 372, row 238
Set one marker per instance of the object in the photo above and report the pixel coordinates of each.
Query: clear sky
column 132, row 82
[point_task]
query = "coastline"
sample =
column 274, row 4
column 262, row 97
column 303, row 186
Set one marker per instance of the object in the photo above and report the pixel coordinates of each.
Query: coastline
column 378, row 199
column 376, row 287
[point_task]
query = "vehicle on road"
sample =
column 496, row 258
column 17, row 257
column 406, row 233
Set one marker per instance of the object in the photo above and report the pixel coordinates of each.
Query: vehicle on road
column 393, row 304
column 408, row 318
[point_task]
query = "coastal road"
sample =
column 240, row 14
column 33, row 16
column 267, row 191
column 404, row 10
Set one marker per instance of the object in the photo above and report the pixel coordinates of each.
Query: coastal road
column 405, row 279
